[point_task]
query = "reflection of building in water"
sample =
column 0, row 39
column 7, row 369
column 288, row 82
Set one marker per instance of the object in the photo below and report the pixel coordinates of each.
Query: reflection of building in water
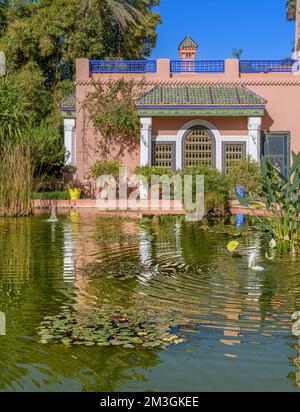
column 69, row 249
column 247, row 306
column 183, row 273
column 103, row 244
column 145, row 250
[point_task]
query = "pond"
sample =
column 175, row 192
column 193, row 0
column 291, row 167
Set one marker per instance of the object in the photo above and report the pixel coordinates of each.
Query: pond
column 235, row 322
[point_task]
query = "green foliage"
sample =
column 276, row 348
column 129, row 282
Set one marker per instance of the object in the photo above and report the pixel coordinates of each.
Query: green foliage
column 216, row 187
column 47, row 148
column 291, row 9
column 105, row 168
column 15, row 180
column 26, row 150
column 111, row 108
column 42, row 39
column 216, row 184
column 110, row 327
column 281, row 196
column 3, row 19
column 50, row 196
column 215, row 181
column 149, row 171
column 54, row 33
column 13, row 115
column 246, row 173
column 29, row 83
column 48, row 183
column 75, row 184
column 237, row 53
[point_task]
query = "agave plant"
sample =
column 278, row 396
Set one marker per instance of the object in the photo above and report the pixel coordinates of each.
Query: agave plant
column 281, row 195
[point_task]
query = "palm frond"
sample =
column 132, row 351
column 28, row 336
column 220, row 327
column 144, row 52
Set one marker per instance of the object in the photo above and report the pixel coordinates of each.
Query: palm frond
column 291, row 8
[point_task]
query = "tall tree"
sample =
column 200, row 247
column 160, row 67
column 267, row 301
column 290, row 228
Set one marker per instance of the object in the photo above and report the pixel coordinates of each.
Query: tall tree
column 43, row 38
column 53, row 33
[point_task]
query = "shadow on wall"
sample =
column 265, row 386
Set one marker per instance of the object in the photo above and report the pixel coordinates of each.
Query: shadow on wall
column 267, row 121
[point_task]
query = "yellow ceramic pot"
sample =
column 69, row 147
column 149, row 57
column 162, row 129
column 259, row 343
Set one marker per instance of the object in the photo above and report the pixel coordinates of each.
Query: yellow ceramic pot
column 75, row 194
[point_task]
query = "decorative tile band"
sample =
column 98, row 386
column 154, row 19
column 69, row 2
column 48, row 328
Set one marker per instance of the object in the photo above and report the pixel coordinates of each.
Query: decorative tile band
column 255, row 112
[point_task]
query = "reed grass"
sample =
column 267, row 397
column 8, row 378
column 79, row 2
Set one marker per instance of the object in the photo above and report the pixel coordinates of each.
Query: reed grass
column 16, row 174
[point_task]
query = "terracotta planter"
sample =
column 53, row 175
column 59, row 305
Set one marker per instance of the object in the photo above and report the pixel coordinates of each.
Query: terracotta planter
column 75, row 194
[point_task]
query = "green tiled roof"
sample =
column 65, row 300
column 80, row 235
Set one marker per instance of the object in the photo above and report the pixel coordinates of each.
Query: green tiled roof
column 195, row 96
column 188, row 42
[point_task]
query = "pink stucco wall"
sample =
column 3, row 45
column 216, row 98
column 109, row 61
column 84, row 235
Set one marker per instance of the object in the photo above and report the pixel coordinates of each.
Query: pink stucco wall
column 230, row 126
column 281, row 90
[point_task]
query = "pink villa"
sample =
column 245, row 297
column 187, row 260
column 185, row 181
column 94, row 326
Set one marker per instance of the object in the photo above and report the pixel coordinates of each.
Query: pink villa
column 196, row 111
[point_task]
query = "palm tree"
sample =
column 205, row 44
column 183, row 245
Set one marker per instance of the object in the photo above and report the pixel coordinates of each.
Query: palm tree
column 122, row 11
column 291, row 7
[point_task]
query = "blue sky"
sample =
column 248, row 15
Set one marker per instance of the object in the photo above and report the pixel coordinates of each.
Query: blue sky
column 258, row 26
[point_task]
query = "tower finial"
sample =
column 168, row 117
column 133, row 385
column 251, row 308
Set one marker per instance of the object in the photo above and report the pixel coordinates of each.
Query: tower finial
column 188, row 49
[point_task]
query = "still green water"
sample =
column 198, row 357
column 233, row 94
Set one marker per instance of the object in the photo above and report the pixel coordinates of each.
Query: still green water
column 237, row 323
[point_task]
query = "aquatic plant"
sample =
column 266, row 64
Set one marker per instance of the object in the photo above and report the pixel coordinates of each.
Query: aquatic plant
column 280, row 195
column 108, row 327
column 119, row 270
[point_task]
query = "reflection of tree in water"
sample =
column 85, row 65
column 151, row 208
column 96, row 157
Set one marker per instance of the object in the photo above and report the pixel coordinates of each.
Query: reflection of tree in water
column 84, row 369
column 294, row 376
column 30, row 264
column 181, row 270
column 32, row 287
column 297, row 363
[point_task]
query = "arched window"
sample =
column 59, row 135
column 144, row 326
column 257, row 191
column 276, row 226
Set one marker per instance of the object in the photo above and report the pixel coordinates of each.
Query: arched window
column 198, row 147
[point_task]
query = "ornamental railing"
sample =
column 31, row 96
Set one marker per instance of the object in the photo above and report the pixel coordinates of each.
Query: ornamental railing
column 123, row 66
column 205, row 66
column 268, row 66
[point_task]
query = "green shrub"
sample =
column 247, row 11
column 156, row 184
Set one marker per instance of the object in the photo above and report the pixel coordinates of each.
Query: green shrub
column 50, row 196
column 216, row 184
column 46, row 183
column 105, row 168
column 149, row 171
column 216, row 187
column 246, row 173
column 281, row 196
column 75, row 184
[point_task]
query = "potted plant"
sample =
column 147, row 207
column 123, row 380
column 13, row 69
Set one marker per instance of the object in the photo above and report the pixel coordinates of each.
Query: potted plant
column 70, row 169
column 245, row 177
column 75, row 187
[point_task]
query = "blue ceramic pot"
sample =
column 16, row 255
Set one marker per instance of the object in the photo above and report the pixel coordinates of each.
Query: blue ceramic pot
column 240, row 191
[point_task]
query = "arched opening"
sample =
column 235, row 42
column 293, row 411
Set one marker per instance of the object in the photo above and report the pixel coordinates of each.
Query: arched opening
column 199, row 147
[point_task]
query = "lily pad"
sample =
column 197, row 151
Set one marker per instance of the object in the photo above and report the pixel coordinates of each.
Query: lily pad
column 108, row 327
